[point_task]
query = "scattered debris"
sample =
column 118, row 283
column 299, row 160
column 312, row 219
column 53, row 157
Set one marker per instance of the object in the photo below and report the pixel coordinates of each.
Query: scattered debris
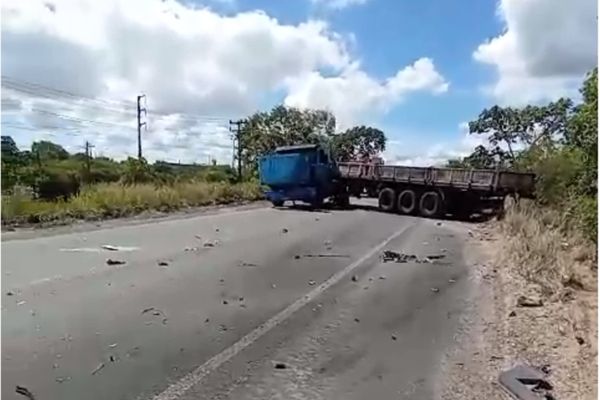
column 241, row 298
column 216, row 229
column 512, row 314
column 163, row 264
column 451, row 280
column 317, row 218
column 248, row 264
column 225, row 302
column 370, row 279
column 280, row 365
column 434, row 289
column 223, row 327
column 207, row 320
column 190, row 249
column 394, row 337
column 354, row 278
column 54, row 366
column 524, row 301
column 198, row 237
column 20, row 303
column 112, row 346
column 133, row 352
column 221, row 280
column 312, row 283
column 23, row 391
column 284, row 230
column 273, row 286
column 109, row 247
column 546, row 369
column 209, row 243
column 147, row 310
column 382, row 277
column 113, row 358
column 580, row 340
column 98, row 368
column 296, row 257
column 438, row 223
column 524, row 382
column 61, row 379
column 10, row 293
column 389, row 255
column 495, row 358
column 110, row 261
column 356, row 320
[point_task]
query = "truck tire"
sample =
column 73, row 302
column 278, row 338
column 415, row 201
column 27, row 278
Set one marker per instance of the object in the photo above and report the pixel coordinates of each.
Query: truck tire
column 430, row 204
column 387, row 197
column 277, row 203
column 407, row 201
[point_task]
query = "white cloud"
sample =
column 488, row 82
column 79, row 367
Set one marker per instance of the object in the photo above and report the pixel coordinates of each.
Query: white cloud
column 339, row 4
column 354, row 94
column 545, row 50
column 188, row 60
column 459, row 146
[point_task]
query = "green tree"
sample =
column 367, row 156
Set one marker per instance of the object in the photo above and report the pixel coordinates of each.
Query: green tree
column 49, row 151
column 359, row 142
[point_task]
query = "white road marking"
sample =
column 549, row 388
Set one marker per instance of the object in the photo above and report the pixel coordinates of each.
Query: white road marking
column 179, row 388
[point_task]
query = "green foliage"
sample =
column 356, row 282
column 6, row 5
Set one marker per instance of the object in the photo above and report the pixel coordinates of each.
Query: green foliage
column 360, row 142
column 46, row 150
column 557, row 141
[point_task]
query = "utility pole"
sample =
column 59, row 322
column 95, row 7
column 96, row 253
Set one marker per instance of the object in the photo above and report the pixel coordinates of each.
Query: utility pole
column 140, row 123
column 88, row 156
column 237, row 132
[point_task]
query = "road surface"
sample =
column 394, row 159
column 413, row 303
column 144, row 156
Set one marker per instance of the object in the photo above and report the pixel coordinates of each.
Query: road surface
column 253, row 304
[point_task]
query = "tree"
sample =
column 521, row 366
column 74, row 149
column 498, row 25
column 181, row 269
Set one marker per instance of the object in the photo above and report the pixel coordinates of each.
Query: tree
column 283, row 126
column 46, row 150
column 359, row 142
column 583, row 132
column 9, row 147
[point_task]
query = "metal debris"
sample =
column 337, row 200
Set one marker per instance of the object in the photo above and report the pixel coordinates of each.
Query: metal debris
column 394, row 337
column 280, row 365
column 284, row 230
column 163, row 263
column 512, row 314
column 393, row 256
column 109, row 247
column 20, row 303
column 451, row 280
column 61, row 379
column 524, row 301
column 10, row 293
column 354, row 278
column 526, row 383
column 312, row 283
column 23, row 391
column 110, row 261
column 190, row 249
column 98, row 368
column 435, row 290
column 209, row 243
column 112, row 346
column 326, row 256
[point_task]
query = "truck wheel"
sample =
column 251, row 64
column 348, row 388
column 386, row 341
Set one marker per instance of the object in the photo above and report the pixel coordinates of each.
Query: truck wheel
column 430, row 204
column 407, row 201
column 386, row 199
column 277, row 203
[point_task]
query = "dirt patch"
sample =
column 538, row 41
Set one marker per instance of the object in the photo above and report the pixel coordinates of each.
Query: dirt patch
column 559, row 336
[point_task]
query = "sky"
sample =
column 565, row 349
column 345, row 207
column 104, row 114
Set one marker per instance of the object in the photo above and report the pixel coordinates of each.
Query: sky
column 418, row 70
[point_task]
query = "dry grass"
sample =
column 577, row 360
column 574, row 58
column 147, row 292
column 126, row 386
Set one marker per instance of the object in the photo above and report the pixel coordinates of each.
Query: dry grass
column 547, row 251
column 115, row 200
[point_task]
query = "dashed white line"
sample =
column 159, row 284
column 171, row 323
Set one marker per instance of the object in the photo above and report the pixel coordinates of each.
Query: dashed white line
column 179, row 388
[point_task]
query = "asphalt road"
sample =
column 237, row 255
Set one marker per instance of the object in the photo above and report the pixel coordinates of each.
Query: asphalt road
column 253, row 304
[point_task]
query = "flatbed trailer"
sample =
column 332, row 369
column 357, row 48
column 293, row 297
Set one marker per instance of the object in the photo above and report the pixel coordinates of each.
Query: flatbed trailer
column 435, row 191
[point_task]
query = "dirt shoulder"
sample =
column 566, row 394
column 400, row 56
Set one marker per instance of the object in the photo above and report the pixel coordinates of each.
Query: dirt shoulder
column 560, row 335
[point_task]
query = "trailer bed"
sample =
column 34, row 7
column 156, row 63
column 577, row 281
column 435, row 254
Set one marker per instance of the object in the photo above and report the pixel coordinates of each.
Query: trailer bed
column 490, row 181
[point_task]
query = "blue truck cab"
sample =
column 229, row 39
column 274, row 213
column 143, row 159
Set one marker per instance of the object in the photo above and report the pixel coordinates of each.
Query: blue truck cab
column 299, row 173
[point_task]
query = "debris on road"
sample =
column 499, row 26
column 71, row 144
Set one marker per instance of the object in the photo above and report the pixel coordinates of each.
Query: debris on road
column 10, row 293
column 435, row 290
column 382, row 277
column 110, row 261
column 189, row 248
column 354, row 278
column 525, row 301
column 438, row 223
column 394, row 256
column 297, row 257
column 223, row 327
column 248, row 264
column 207, row 320
column 109, row 247
column 394, row 337
column 326, row 256
column 112, row 346
column 512, row 314
column 312, row 283
column 163, row 264
column 20, row 303
column 580, row 340
column 98, row 368
column 451, row 280
column 273, row 286
column 356, row 320
column 23, row 391
column 61, row 379
column 210, row 243
column 225, row 302
column 280, row 365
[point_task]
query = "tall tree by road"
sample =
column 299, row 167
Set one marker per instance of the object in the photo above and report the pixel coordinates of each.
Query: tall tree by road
column 359, row 142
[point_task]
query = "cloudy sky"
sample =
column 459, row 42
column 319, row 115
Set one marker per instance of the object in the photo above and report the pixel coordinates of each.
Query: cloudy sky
column 419, row 70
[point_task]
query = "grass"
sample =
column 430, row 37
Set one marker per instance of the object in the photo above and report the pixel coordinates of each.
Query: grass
column 549, row 249
column 112, row 200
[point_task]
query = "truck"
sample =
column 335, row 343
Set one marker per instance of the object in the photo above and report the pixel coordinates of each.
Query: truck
column 309, row 174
